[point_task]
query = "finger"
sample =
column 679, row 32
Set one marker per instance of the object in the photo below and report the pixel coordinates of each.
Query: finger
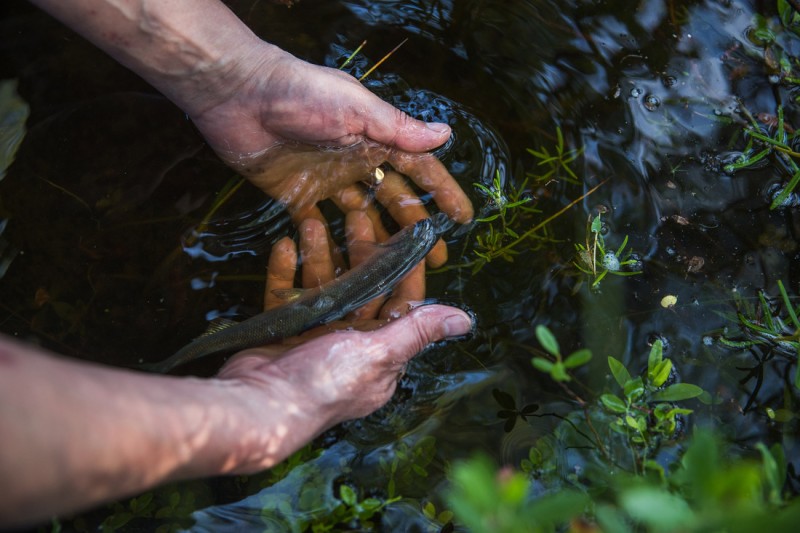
column 405, row 337
column 313, row 213
column 387, row 125
column 281, row 270
column 432, row 176
column 411, row 289
column 315, row 254
column 406, row 208
column 361, row 245
column 355, row 199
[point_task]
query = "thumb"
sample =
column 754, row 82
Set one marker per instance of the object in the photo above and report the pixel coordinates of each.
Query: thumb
column 407, row 336
column 388, row 125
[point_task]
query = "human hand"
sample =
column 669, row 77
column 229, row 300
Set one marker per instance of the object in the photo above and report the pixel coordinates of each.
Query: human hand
column 304, row 133
column 318, row 269
column 338, row 371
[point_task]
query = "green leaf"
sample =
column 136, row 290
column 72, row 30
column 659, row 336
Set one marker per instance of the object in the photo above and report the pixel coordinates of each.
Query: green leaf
column 618, row 370
column 634, row 388
column 559, row 372
column 613, row 403
column 659, row 375
column 656, row 356
column 540, row 363
column 657, row 509
column 578, row 358
column 597, row 225
column 611, row 519
column 547, row 340
column 774, row 469
column 348, row 495
column 677, row 392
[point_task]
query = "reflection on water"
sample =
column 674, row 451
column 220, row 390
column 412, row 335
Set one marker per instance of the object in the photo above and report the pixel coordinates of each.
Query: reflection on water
column 656, row 91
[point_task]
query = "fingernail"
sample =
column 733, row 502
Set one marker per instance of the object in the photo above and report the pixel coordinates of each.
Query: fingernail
column 457, row 325
column 438, row 127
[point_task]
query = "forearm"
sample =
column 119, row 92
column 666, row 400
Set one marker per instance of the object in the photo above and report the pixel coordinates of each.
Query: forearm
column 190, row 50
column 76, row 434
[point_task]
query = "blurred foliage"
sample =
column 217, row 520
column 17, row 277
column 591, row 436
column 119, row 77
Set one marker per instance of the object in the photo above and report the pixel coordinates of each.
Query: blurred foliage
column 705, row 491
column 704, row 488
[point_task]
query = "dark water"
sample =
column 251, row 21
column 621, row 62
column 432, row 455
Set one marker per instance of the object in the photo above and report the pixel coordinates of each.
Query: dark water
column 111, row 179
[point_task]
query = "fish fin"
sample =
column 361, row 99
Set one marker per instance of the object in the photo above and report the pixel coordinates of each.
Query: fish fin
column 288, row 295
column 218, row 324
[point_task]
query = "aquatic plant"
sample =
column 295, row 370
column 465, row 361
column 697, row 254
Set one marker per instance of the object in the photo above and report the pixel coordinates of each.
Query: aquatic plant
column 702, row 489
column 706, row 491
column 643, row 413
column 507, row 213
column 353, row 512
column 558, row 369
column 597, row 261
column 772, row 323
column 769, row 137
column 557, row 164
column 760, row 145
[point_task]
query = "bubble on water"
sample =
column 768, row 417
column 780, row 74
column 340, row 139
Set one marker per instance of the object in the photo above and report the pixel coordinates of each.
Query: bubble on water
column 651, row 102
column 708, row 340
column 669, row 81
column 611, row 262
column 774, row 79
column 636, row 92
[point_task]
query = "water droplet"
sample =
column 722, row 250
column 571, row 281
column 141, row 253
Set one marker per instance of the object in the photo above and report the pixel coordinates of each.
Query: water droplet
column 669, row 81
column 774, row 79
column 636, row 92
column 651, row 102
column 708, row 340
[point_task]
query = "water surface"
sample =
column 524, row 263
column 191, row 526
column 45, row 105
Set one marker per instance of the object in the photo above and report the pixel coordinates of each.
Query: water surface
column 111, row 180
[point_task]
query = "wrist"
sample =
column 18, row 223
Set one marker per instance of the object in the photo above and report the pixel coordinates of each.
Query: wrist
column 243, row 426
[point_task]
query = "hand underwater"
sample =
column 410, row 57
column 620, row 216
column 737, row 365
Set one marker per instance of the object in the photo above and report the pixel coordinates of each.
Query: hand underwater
column 346, row 369
column 304, row 133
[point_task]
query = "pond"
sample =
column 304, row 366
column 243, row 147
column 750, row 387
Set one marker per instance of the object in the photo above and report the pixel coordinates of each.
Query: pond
column 595, row 138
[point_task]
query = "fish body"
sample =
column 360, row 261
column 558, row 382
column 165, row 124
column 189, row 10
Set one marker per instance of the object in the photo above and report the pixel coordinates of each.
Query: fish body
column 376, row 276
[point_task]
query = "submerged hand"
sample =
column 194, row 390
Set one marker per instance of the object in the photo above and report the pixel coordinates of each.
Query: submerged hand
column 318, row 268
column 304, row 133
column 326, row 376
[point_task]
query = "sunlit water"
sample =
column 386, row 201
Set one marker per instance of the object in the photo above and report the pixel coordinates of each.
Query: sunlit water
column 111, row 183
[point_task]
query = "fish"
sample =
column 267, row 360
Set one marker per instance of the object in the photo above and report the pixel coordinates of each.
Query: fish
column 377, row 275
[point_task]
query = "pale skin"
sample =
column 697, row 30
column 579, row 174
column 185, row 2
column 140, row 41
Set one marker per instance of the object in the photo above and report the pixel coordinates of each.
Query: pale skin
column 77, row 434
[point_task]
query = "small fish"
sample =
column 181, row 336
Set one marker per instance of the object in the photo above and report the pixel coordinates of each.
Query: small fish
column 376, row 276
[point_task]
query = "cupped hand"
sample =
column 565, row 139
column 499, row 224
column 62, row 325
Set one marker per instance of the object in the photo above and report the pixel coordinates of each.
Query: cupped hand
column 304, row 133
column 338, row 371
